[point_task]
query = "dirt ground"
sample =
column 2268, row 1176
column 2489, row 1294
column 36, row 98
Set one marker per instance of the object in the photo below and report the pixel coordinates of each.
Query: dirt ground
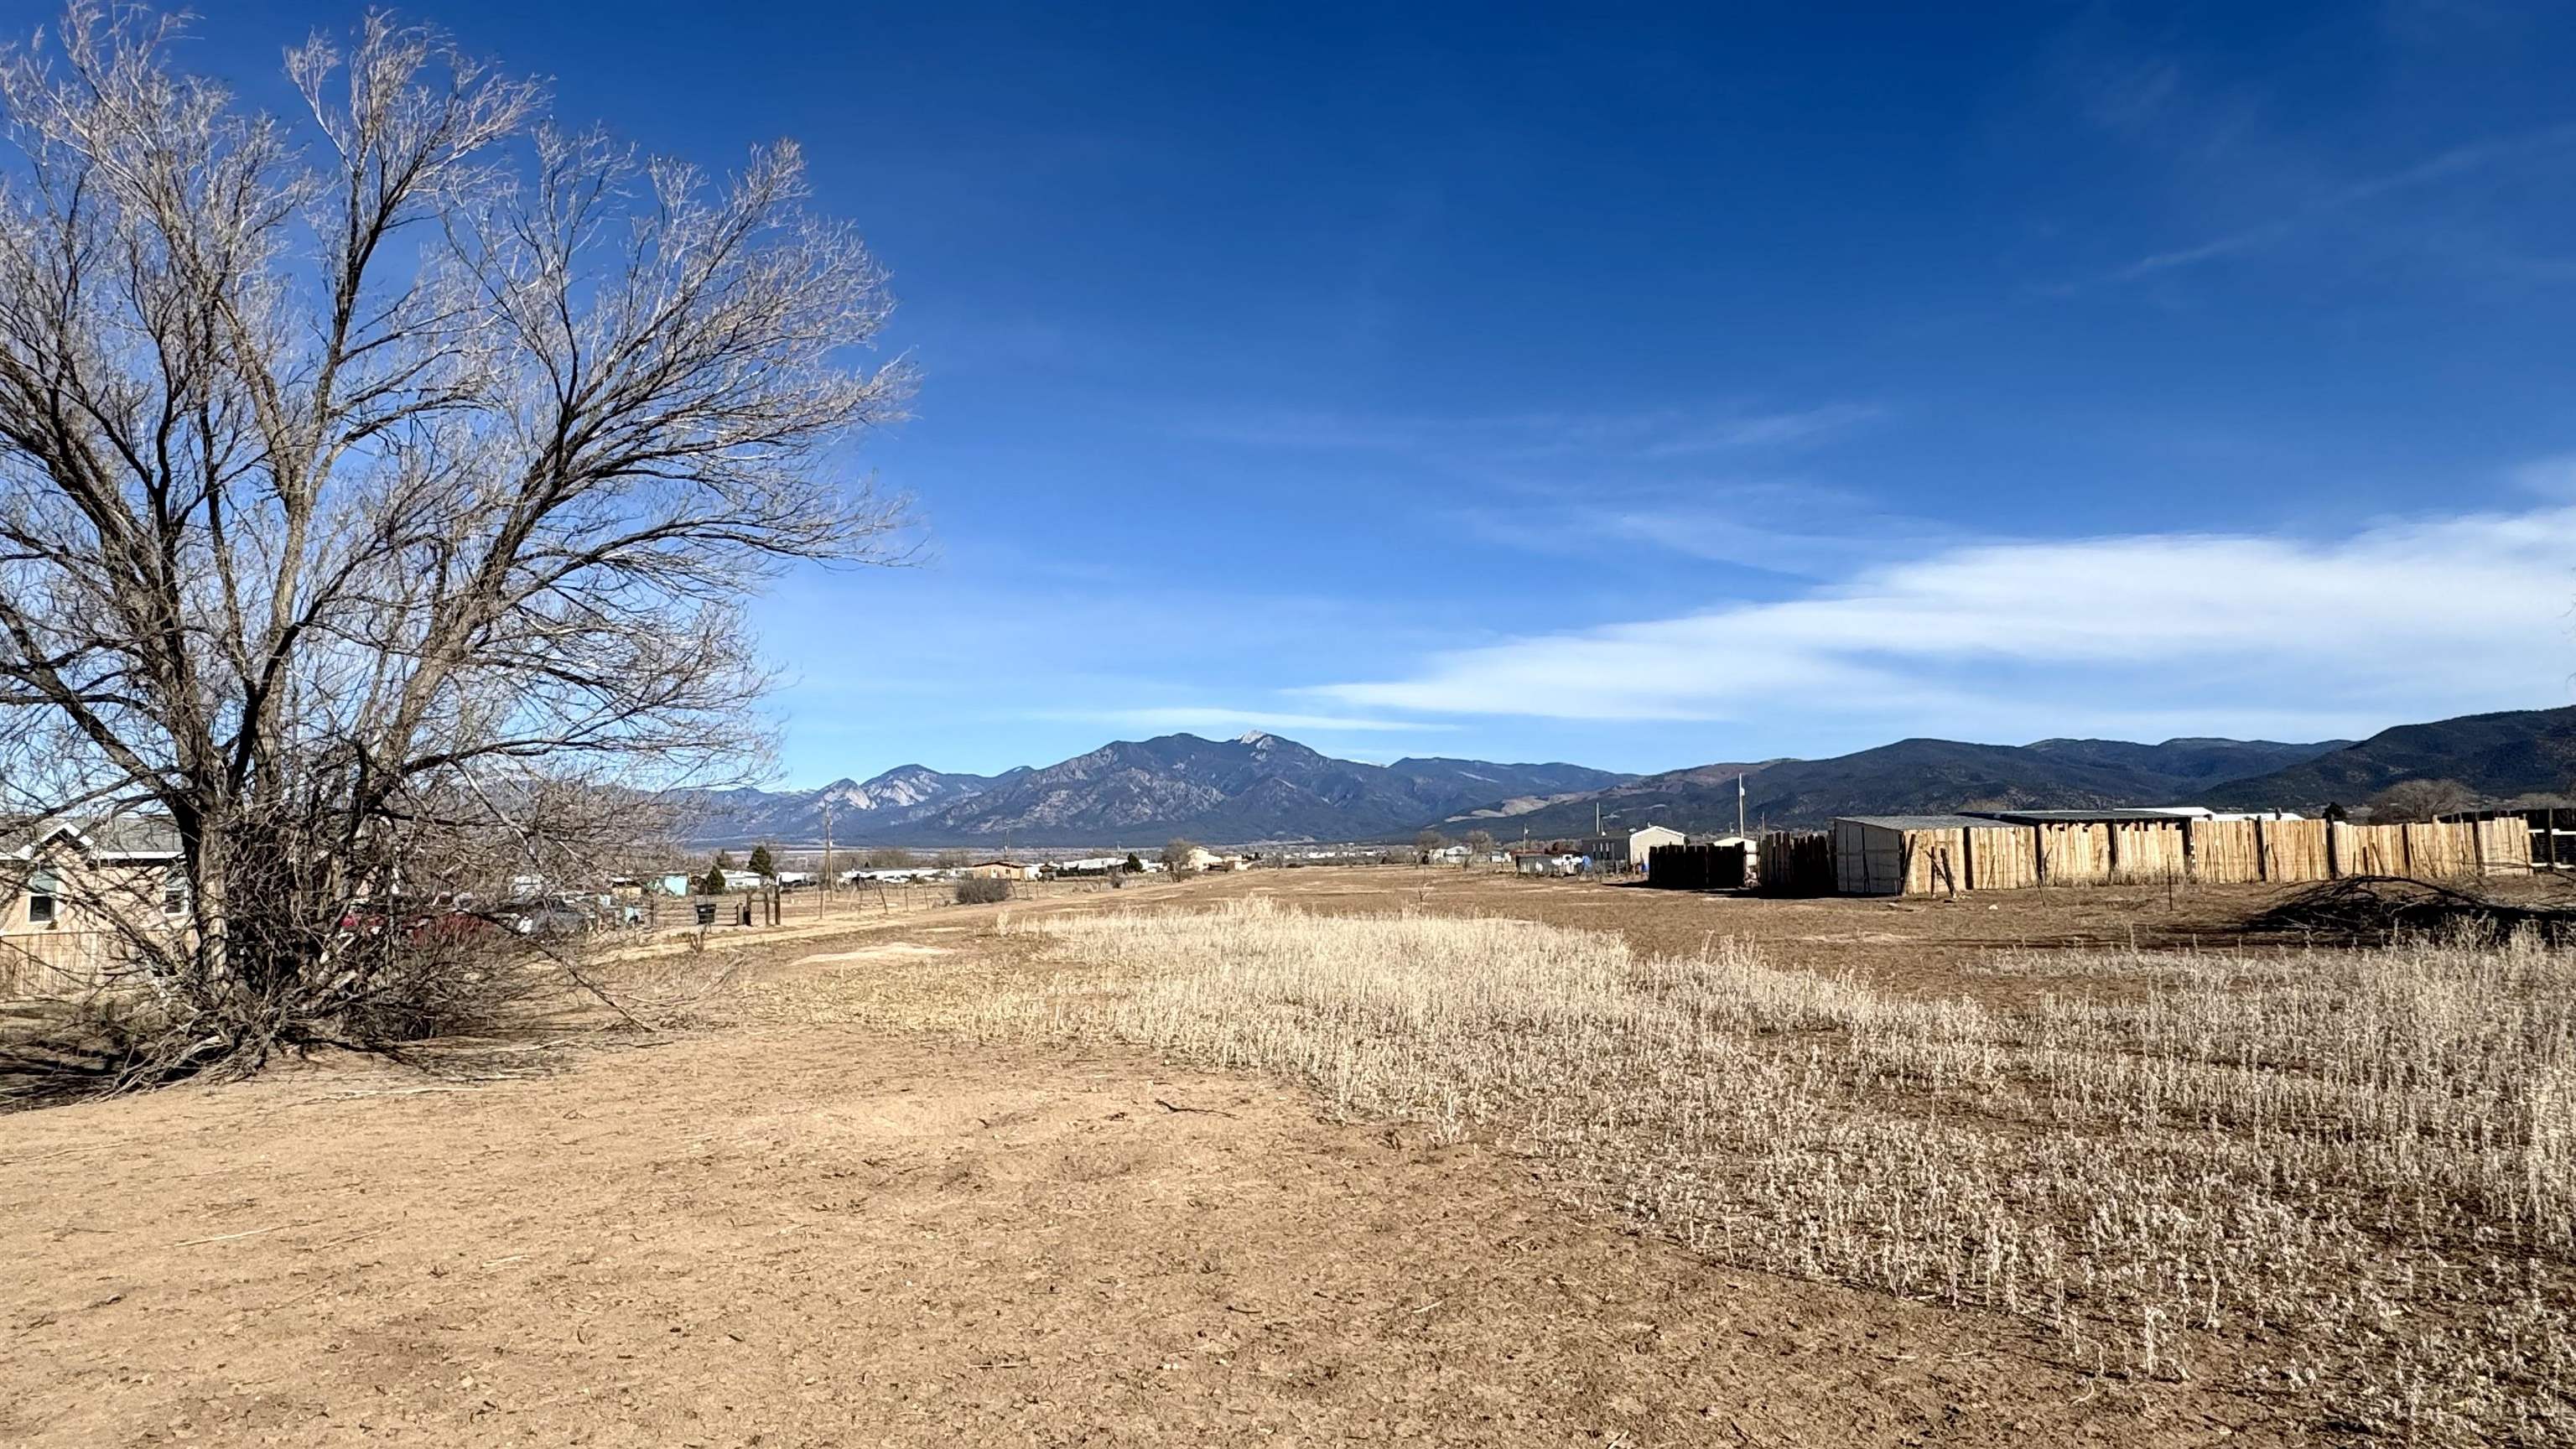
column 762, row 1233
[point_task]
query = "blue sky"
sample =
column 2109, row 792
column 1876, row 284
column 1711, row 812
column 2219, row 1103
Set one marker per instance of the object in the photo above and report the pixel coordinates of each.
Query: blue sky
column 1650, row 387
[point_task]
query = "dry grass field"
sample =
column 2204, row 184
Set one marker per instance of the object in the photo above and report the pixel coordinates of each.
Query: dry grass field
column 1340, row 1155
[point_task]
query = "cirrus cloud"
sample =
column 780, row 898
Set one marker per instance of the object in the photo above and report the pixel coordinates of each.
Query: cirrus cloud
column 2408, row 619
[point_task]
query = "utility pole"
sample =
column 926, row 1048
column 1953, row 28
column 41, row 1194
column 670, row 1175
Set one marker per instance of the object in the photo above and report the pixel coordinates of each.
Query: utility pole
column 828, row 879
column 1739, row 803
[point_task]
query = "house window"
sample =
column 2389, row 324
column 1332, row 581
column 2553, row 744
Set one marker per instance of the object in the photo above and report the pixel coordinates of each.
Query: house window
column 42, row 888
column 174, row 892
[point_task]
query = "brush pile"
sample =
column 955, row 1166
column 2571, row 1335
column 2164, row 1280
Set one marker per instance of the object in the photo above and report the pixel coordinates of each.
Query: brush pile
column 2375, row 909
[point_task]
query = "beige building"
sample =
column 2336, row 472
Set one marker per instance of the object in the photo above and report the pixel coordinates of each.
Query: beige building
column 77, row 898
column 1628, row 852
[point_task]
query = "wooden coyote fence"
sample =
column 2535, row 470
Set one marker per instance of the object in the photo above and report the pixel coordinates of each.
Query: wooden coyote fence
column 2443, row 850
column 2225, row 852
column 2074, row 854
column 2005, row 858
column 1795, row 863
column 2145, row 852
column 2139, row 852
column 2235, row 852
column 1696, row 867
column 2553, row 841
column 1869, row 857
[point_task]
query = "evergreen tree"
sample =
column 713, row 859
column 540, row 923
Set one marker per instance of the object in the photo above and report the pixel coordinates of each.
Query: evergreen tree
column 761, row 864
column 714, row 884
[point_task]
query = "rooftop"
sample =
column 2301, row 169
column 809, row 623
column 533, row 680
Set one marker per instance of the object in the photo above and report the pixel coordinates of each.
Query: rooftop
column 1922, row 822
column 2106, row 815
column 117, row 836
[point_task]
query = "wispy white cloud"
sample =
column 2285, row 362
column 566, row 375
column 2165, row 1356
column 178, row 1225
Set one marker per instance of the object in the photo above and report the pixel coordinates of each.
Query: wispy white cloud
column 2552, row 478
column 1647, row 433
column 1198, row 719
column 2444, row 165
column 2247, row 240
column 1784, row 526
column 2404, row 620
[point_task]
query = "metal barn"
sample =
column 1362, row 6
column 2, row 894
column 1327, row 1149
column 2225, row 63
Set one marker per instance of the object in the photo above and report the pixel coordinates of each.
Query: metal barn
column 1897, row 855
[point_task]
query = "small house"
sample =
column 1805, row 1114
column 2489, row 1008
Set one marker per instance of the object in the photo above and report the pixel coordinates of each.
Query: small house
column 78, row 899
column 1629, row 851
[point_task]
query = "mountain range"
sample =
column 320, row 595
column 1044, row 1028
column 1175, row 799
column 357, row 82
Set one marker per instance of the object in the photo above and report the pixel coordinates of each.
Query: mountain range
column 1916, row 777
column 1260, row 787
column 1256, row 787
column 2497, row 756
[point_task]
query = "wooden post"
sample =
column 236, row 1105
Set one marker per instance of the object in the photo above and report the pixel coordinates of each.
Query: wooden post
column 2262, row 851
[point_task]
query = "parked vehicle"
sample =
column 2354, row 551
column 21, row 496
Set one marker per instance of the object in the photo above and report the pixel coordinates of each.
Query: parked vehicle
column 545, row 918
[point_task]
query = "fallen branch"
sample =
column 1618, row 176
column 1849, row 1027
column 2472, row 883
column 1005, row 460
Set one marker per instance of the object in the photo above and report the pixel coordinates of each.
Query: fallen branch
column 253, row 1233
column 2377, row 907
column 1176, row 1107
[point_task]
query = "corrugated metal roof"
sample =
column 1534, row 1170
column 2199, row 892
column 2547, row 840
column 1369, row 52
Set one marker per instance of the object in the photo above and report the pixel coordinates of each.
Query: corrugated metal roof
column 2108, row 814
column 1919, row 822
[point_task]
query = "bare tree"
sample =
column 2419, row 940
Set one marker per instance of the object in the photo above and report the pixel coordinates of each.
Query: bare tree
column 377, row 503
column 2419, row 800
column 1180, row 857
column 1480, row 845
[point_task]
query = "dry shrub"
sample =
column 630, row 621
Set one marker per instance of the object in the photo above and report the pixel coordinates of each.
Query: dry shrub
column 980, row 890
column 63, row 1049
column 2344, row 1178
column 133, row 1031
column 2378, row 908
column 437, row 987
